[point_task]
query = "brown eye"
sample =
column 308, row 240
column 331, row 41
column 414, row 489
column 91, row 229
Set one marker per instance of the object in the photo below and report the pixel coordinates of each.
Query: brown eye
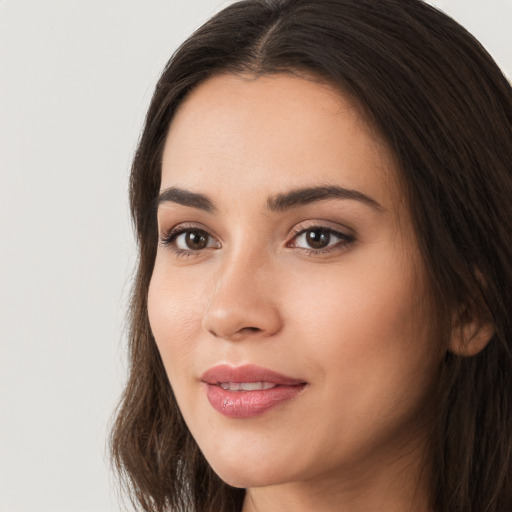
column 196, row 240
column 190, row 240
column 318, row 238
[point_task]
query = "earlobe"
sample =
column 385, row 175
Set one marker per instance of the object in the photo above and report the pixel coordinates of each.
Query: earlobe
column 471, row 338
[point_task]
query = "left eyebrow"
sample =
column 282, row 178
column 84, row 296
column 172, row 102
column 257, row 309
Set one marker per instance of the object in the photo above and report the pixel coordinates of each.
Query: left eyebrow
column 303, row 196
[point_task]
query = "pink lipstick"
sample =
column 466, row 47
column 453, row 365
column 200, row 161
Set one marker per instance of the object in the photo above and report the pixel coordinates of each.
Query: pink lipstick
column 248, row 391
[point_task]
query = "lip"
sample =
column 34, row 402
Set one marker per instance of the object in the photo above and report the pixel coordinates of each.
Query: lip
column 248, row 404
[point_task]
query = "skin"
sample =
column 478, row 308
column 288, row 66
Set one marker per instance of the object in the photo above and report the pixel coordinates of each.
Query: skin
column 350, row 319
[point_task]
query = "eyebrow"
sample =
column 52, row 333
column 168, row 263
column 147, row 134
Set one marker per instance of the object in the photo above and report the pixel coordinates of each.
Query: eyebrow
column 185, row 198
column 277, row 203
column 304, row 196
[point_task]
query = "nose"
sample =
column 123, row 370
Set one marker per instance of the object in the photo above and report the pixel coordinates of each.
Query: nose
column 244, row 302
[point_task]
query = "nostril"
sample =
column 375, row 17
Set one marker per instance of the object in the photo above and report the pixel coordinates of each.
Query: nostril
column 251, row 329
column 235, row 320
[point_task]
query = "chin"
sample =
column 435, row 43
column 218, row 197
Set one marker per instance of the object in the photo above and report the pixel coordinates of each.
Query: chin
column 245, row 478
column 243, row 474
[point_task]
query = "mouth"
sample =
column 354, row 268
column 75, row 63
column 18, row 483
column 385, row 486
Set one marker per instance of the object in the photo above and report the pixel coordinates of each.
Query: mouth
column 248, row 391
column 246, row 386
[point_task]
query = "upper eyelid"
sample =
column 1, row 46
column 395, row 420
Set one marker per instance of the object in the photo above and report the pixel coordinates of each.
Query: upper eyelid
column 312, row 228
column 186, row 226
column 322, row 224
column 337, row 233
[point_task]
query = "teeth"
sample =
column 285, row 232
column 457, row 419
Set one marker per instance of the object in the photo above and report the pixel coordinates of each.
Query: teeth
column 246, row 386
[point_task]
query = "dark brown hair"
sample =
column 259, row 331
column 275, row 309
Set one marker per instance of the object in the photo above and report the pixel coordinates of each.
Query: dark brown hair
column 445, row 110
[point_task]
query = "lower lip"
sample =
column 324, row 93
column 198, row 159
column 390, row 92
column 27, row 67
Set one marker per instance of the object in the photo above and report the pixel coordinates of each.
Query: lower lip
column 248, row 404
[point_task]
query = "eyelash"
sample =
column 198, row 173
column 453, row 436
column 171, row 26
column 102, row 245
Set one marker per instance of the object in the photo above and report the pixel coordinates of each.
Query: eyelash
column 345, row 240
column 169, row 240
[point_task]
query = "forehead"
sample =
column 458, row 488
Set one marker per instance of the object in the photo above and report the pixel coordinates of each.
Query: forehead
column 272, row 132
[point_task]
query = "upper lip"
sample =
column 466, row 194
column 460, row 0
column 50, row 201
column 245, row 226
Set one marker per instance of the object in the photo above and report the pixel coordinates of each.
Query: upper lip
column 247, row 373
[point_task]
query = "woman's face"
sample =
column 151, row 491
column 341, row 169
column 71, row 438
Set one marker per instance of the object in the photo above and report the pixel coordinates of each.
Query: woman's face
column 287, row 298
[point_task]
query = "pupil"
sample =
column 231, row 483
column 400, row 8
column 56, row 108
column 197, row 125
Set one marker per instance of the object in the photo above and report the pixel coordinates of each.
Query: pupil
column 196, row 240
column 318, row 238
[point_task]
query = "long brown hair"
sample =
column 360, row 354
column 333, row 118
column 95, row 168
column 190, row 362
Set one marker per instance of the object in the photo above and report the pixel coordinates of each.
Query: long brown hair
column 445, row 110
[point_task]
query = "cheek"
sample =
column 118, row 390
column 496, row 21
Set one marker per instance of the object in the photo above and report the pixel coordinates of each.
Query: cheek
column 359, row 297
column 366, row 324
column 174, row 317
column 367, row 342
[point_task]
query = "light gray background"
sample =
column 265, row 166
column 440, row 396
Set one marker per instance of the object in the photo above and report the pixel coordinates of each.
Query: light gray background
column 75, row 81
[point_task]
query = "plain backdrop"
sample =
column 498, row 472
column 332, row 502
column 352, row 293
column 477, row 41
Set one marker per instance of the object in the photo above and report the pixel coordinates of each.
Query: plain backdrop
column 75, row 81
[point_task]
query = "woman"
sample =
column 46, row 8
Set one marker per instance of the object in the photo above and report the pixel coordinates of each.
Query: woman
column 321, row 319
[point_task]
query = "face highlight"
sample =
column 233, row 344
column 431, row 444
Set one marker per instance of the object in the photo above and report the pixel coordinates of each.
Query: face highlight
column 286, row 299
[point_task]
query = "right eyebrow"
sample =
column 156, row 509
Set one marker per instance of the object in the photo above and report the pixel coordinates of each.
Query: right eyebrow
column 185, row 198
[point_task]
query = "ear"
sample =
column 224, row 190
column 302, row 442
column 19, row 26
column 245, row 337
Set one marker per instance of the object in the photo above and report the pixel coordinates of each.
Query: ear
column 472, row 336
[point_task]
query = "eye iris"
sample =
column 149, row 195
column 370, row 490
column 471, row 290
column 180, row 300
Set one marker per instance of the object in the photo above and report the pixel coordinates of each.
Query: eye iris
column 318, row 238
column 196, row 240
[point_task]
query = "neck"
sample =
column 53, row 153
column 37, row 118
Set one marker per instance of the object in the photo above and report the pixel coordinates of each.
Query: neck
column 399, row 486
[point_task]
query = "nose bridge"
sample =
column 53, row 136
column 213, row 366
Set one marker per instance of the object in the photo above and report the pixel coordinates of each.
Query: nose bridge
column 243, row 301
